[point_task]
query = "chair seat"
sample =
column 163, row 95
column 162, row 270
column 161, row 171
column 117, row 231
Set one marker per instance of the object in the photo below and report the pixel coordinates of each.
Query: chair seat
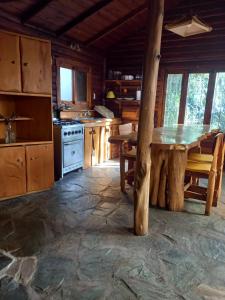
column 130, row 154
column 198, row 167
column 200, row 157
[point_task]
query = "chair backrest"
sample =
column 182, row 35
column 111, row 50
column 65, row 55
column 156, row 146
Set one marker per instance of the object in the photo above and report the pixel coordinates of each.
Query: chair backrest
column 218, row 151
column 125, row 129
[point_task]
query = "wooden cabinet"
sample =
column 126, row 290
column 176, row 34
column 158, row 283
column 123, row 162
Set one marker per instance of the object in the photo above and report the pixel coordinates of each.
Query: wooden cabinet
column 36, row 66
column 40, row 173
column 25, row 64
column 91, row 146
column 10, row 77
column 114, row 150
column 12, row 171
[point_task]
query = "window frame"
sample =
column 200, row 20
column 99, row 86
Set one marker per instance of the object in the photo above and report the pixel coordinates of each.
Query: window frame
column 184, row 88
column 74, row 66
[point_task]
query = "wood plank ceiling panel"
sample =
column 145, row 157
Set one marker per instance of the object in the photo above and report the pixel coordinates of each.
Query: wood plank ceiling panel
column 60, row 12
column 102, row 19
column 121, row 33
column 16, row 7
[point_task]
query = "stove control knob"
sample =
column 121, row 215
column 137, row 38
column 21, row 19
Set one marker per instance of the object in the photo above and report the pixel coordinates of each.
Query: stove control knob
column 65, row 133
column 72, row 132
column 69, row 133
column 79, row 131
column 76, row 132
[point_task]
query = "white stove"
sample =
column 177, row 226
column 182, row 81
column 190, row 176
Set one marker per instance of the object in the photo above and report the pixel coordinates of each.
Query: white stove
column 69, row 147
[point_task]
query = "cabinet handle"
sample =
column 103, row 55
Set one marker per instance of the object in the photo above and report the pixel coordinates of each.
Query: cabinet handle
column 13, row 62
column 25, row 64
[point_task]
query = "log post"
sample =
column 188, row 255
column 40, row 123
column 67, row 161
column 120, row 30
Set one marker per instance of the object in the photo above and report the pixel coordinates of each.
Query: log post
column 146, row 118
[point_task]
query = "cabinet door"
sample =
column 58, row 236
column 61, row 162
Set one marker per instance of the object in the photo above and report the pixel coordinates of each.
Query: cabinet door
column 95, row 146
column 40, row 168
column 114, row 149
column 36, row 66
column 12, row 171
column 87, row 147
column 102, row 145
column 10, row 74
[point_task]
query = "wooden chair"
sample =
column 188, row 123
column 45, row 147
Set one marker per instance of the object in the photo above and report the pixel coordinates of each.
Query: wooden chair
column 210, row 170
column 126, row 154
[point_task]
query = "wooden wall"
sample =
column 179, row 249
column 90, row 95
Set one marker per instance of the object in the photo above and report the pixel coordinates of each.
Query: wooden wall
column 196, row 53
column 90, row 57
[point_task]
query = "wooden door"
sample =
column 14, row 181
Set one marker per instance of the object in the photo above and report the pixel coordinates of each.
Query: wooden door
column 87, row 147
column 12, row 171
column 10, row 73
column 95, row 146
column 36, row 66
column 40, row 167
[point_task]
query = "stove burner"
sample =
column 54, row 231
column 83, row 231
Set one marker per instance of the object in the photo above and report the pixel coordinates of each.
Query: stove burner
column 65, row 122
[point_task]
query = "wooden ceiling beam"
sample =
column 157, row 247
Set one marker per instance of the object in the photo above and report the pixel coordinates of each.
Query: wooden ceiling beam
column 80, row 18
column 115, row 25
column 33, row 10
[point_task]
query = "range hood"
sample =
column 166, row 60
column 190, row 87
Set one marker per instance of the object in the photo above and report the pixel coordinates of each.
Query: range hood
column 188, row 27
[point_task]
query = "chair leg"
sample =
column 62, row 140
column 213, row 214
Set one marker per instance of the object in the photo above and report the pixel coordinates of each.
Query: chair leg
column 210, row 192
column 122, row 174
column 130, row 178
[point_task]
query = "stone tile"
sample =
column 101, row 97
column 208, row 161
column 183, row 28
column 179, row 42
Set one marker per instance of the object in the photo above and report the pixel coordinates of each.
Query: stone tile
column 76, row 242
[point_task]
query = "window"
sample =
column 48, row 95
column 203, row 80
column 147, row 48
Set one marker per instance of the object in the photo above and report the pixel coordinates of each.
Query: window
column 66, row 84
column 173, row 94
column 218, row 108
column 74, row 84
column 196, row 98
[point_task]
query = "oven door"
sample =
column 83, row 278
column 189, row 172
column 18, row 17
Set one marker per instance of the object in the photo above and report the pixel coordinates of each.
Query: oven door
column 73, row 155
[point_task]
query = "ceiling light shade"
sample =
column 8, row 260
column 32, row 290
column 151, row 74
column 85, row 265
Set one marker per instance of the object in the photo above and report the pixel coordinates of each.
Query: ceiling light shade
column 189, row 27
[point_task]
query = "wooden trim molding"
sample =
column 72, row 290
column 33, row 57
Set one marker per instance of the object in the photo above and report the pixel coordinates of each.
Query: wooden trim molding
column 183, row 98
column 209, row 98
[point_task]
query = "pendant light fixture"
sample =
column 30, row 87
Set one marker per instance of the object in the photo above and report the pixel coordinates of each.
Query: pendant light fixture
column 188, row 26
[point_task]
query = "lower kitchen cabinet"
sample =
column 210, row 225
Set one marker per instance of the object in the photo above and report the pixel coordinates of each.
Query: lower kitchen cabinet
column 40, row 173
column 25, row 169
column 12, row 171
column 91, row 146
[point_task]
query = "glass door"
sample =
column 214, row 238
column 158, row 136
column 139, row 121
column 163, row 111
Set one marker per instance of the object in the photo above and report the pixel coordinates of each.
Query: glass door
column 196, row 98
column 172, row 101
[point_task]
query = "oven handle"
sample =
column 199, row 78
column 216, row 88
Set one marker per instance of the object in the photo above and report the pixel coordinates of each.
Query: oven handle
column 70, row 143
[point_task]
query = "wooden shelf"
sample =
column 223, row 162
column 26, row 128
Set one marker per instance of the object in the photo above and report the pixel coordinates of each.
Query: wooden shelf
column 17, row 119
column 23, row 143
column 24, row 94
column 124, row 81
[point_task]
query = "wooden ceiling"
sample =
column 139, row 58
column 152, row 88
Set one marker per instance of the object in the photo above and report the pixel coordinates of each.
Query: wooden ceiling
column 101, row 23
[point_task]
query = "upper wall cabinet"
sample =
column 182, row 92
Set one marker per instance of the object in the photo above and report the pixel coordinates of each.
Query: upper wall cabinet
column 10, row 75
column 25, row 64
column 36, row 66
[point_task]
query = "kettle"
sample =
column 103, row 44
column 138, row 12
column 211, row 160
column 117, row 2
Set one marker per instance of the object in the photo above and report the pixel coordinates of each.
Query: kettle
column 110, row 95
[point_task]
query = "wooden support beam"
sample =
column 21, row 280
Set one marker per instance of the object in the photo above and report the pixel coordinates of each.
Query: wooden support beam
column 92, row 10
column 33, row 10
column 209, row 98
column 146, row 119
column 115, row 25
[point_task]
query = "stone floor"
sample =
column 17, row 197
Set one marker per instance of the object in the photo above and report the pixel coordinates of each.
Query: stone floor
column 76, row 242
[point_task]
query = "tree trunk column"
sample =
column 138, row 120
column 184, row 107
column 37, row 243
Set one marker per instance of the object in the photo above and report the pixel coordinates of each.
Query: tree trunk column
column 146, row 118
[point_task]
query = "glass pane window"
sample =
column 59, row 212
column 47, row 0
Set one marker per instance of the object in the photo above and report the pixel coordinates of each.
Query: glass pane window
column 81, row 84
column 218, row 108
column 172, row 102
column 66, row 84
column 196, row 98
